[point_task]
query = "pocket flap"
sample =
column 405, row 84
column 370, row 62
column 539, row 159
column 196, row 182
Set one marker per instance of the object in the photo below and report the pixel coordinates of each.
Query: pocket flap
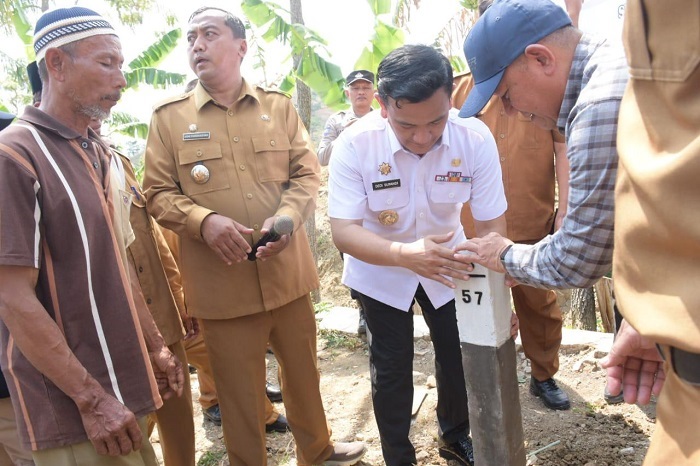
column 271, row 143
column 199, row 152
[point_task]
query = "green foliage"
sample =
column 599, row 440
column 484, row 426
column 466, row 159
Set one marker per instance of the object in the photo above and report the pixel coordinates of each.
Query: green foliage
column 323, row 306
column 469, row 4
column 157, row 52
column 211, row 458
column 131, row 12
column 380, row 7
column 336, row 339
column 128, row 125
column 322, row 76
column 386, row 38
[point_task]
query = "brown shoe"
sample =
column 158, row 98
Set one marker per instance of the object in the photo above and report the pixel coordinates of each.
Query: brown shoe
column 346, row 454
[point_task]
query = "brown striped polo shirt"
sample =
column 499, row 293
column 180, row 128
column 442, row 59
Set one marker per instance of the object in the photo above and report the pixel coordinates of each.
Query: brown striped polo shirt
column 55, row 215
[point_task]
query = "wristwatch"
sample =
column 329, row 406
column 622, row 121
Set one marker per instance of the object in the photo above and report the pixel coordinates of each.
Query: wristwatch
column 505, row 251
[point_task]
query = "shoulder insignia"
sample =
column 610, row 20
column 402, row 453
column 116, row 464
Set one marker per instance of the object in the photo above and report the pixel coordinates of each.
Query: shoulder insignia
column 273, row 89
column 171, row 99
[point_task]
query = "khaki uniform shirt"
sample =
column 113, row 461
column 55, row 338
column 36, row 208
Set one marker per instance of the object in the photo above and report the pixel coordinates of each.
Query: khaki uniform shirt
column 526, row 153
column 260, row 164
column 657, row 232
column 155, row 266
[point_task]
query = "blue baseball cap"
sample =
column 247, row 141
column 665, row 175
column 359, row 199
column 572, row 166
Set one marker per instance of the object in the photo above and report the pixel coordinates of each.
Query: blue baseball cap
column 499, row 37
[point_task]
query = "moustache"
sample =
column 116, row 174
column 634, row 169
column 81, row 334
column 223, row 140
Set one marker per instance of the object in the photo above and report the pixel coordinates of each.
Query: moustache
column 115, row 97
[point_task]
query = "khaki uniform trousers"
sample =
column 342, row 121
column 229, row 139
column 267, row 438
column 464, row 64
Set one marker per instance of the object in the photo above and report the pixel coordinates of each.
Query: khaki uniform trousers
column 540, row 328
column 198, row 356
column 176, row 421
column 674, row 441
column 11, row 451
column 237, row 350
column 84, row 454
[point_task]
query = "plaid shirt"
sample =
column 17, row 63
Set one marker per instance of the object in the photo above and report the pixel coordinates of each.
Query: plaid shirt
column 580, row 252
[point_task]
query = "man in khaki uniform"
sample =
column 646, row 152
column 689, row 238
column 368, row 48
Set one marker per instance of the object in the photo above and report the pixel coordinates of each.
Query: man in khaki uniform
column 527, row 154
column 657, row 233
column 159, row 280
column 223, row 162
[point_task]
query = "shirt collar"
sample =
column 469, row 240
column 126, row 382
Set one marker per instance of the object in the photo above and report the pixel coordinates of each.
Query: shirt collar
column 201, row 96
column 585, row 49
column 42, row 119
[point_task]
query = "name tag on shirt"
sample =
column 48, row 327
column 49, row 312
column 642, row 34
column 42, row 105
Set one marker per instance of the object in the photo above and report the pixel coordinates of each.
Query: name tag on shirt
column 379, row 185
column 196, row 136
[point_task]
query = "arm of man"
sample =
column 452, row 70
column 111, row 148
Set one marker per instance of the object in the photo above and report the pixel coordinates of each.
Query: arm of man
column 110, row 426
column 330, row 134
column 426, row 257
column 166, row 367
column 561, row 166
column 580, row 252
column 178, row 212
column 172, row 272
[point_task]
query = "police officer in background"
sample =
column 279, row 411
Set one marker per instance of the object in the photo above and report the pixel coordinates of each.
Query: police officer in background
column 223, row 163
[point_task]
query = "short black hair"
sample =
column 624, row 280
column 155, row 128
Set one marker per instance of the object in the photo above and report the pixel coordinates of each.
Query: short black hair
column 234, row 23
column 413, row 73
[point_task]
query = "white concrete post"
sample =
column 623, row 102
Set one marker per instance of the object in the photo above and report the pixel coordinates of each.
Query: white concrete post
column 488, row 357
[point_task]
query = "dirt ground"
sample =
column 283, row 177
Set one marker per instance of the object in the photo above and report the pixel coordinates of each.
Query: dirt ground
column 591, row 433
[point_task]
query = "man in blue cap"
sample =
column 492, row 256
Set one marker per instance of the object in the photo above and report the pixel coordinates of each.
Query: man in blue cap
column 528, row 53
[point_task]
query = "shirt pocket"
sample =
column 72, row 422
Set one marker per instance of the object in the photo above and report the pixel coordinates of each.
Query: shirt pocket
column 450, row 192
column 387, row 199
column 209, row 155
column 656, row 59
column 272, row 157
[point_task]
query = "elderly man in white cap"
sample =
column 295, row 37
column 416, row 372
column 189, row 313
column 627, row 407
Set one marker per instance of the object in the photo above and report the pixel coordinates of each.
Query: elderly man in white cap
column 76, row 347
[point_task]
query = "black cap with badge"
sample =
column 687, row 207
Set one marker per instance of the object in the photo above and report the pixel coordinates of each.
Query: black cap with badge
column 360, row 75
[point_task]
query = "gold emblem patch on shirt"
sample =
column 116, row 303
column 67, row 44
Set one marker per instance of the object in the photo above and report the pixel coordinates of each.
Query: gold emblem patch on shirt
column 456, row 162
column 388, row 217
column 384, row 168
column 200, row 174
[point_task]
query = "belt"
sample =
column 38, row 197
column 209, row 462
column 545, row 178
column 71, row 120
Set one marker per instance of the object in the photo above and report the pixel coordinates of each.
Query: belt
column 686, row 365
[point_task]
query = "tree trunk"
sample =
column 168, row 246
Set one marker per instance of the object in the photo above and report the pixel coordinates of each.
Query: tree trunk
column 583, row 309
column 303, row 96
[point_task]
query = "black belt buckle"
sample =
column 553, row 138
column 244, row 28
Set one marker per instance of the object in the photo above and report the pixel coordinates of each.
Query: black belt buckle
column 686, row 365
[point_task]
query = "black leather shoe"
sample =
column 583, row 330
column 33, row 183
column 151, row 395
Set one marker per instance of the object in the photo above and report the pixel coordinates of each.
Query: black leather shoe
column 280, row 425
column 273, row 393
column 614, row 399
column 461, row 451
column 213, row 414
column 362, row 323
column 552, row 396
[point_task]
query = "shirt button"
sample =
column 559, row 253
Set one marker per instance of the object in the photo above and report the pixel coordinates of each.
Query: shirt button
column 230, row 113
column 199, row 153
column 249, row 196
column 389, row 201
column 421, row 215
column 84, row 145
column 272, row 143
column 149, row 301
column 140, row 269
column 451, row 195
column 95, row 165
column 503, row 159
column 236, row 139
column 502, row 136
column 242, row 167
column 503, row 112
column 256, row 227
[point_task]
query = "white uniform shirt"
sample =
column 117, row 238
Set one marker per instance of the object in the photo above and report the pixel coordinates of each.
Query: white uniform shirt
column 372, row 176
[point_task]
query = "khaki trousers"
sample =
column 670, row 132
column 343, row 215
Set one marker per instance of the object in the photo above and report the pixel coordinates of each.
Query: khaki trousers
column 675, row 440
column 237, row 350
column 540, row 328
column 84, row 454
column 175, row 421
column 11, row 452
column 198, row 356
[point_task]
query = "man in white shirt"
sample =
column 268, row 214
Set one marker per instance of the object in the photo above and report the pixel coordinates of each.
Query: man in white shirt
column 398, row 179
